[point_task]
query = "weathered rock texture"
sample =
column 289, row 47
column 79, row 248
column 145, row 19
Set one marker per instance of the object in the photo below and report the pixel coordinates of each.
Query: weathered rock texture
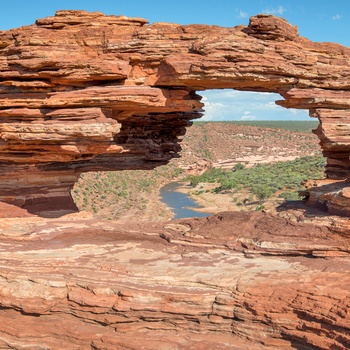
column 82, row 92
column 232, row 281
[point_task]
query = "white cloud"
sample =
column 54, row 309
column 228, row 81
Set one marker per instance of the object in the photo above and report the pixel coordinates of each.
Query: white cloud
column 229, row 104
column 243, row 14
column 213, row 110
column 247, row 116
column 336, row 17
column 280, row 10
column 271, row 105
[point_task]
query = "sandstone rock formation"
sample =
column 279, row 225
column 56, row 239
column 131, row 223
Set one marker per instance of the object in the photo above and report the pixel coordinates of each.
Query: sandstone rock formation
column 233, row 281
column 82, row 91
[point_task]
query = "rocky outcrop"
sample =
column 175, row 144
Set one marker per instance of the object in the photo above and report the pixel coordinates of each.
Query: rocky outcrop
column 232, row 281
column 82, row 92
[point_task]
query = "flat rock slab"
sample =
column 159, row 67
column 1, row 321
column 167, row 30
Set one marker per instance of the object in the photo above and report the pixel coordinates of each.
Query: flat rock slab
column 232, row 281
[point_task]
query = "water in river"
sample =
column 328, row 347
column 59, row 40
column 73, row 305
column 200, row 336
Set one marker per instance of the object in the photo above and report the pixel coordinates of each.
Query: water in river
column 180, row 203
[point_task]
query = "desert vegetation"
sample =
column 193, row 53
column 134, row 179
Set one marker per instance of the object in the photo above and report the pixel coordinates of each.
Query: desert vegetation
column 281, row 179
column 135, row 194
column 291, row 125
column 128, row 193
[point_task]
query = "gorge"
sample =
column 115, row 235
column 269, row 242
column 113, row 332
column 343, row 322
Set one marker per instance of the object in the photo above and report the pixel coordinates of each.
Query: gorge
column 83, row 92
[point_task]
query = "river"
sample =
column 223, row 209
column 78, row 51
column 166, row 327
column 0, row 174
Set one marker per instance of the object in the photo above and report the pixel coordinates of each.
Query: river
column 180, row 203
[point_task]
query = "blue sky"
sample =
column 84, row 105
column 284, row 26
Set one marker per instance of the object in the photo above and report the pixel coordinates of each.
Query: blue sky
column 318, row 20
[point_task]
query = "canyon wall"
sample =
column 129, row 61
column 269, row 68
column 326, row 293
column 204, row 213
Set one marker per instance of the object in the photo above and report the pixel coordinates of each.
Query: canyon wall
column 83, row 92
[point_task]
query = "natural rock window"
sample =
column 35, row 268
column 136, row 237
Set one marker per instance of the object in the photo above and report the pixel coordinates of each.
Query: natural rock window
column 84, row 92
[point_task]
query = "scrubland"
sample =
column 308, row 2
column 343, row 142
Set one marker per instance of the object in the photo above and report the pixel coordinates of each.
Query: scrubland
column 236, row 166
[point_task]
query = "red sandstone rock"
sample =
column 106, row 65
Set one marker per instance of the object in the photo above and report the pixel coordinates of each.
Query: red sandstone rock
column 83, row 91
column 232, row 281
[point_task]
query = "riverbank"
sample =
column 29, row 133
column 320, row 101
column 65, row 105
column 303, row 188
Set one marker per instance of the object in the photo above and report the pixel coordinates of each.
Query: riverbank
column 211, row 202
column 207, row 201
column 181, row 204
column 134, row 194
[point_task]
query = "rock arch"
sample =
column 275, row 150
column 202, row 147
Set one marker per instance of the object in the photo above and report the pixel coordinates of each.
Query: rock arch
column 82, row 91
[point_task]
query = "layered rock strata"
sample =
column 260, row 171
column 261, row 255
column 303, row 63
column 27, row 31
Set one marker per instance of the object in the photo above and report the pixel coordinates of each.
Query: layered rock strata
column 233, row 281
column 83, row 91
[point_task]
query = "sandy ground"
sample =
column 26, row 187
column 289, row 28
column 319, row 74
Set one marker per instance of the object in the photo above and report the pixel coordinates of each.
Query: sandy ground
column 252, row 160
column 216, row 202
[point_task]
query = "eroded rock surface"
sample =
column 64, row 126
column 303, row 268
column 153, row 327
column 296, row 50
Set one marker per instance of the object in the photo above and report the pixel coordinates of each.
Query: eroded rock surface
column 82, row 91
column 232, row 281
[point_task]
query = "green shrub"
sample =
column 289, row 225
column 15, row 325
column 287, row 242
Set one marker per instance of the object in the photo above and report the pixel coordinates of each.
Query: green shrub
column 289, row 196
column 238, row 166
column 264, row 180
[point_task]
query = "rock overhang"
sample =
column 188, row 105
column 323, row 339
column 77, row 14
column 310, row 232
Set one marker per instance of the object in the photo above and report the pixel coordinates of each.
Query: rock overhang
column 82, row 91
